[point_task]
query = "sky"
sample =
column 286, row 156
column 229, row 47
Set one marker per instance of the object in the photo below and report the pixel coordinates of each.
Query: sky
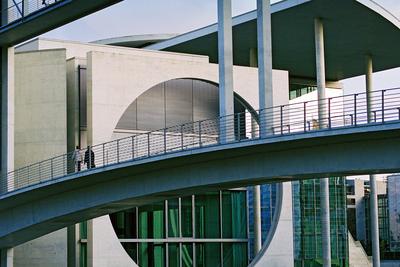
column 133, row 17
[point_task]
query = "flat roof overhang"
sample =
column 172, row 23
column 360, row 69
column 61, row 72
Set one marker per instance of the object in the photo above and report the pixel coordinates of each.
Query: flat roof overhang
column 135, row 41
column 353, row 30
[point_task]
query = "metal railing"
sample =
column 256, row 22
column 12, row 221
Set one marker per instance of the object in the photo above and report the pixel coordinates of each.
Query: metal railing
column 338, row 112
column 19, row 9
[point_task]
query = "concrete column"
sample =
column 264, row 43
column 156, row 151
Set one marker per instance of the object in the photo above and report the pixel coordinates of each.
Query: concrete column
column 264, row 37
column 324, row 189
column 7, row 257
column 372, row 178
column 256, row 189
column 374, row 222
column 325, row 222
column 320, row 70
column 7, row 117
column 257, row 219
column 225, row 59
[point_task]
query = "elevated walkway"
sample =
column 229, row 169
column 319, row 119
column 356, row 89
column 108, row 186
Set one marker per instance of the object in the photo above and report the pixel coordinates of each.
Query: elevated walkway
column 25, row 19
column 189, row 159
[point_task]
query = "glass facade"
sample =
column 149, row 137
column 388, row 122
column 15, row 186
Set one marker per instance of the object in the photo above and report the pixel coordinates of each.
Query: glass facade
column 388, row 219
column 307, row 226
column 297, row 90
column 202, row 230
column 393, row 194
column 268, row 204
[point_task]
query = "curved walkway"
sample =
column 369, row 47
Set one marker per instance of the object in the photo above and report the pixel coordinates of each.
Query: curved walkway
column 46, row 205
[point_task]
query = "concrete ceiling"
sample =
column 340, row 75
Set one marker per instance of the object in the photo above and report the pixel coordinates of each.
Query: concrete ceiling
column 353, row 29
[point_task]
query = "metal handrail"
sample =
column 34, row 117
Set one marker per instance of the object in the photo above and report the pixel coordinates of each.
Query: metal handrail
column 296, row 118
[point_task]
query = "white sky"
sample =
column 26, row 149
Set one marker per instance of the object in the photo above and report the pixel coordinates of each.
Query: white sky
column 132, row 17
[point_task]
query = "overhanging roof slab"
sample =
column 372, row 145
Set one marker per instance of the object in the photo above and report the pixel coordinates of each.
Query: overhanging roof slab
column 353, row 30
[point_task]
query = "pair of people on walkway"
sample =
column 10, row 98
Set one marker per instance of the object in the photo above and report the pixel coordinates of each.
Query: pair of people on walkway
column 88, row 158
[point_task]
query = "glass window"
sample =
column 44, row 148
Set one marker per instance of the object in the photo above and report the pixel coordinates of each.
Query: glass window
column 234, row 214
column 187, row 217
column 173, row 218
column 208, row 254
column 151, row 255
column 207, row 216
column 235, row 254
column 151, row 221
column 173, row 255
column 187, row 255
column 131, row 249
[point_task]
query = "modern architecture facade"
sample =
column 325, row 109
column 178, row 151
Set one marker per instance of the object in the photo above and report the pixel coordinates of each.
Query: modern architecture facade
column 71, row 94
column 145, row 235
column 307, row 222
column 358, row 210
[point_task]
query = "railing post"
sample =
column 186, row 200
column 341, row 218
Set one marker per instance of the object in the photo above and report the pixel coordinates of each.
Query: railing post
column 104, row 156
column 51, row 169
column 374, row 112
column 329, row 113
column 182, row 136
column 165, row 140
column 383, row 106
column 148, row 144
column 200, row 134
column 40, row 172
column 281, row 111
column 65, row 158
column 238, row 126
column 355, row 109
column 305, row 116
column 133, row 147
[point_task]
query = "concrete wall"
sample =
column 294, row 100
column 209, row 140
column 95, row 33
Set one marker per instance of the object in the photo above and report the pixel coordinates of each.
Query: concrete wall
column 279, row 253
column 40, row 133
column 116, row 79
column 41, row 111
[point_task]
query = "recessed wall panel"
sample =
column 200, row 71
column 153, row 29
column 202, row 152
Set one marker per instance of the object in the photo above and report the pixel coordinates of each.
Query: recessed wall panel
column 151, row 109
column 179, row 104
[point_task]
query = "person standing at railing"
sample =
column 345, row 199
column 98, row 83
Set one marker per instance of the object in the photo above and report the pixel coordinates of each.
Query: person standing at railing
column 89, row 158
column 77, row 158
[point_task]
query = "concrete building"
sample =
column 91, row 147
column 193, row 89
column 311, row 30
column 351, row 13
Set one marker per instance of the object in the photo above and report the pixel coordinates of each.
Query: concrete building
column 99, row 102
column 358, row 210
column 103, row 93
column 107, row 92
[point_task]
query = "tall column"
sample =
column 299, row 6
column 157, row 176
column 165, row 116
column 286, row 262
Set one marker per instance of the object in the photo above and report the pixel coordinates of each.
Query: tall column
column 324, row 187
column 6, row 257
column 264, row 37
column 256, row 189
column 225, row 59
column 320, row 60
column 7, row 117
column 372, row 178
column 257, row 219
